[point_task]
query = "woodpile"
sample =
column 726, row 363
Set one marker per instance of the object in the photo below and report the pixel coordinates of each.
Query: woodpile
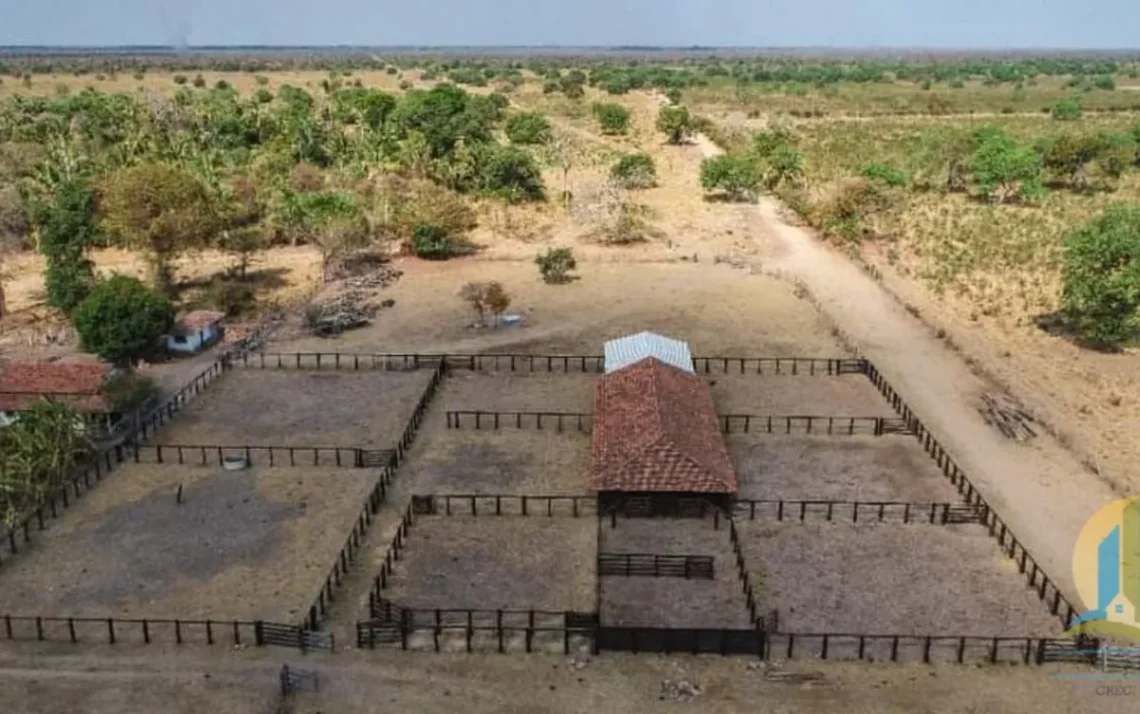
column 1005, row 414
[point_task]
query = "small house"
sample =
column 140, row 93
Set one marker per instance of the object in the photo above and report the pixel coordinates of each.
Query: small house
column 657, row 443
column 80, row 385
column 195, row 331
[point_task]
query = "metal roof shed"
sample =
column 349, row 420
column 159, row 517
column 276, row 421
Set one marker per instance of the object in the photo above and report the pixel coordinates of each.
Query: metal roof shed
column 631, row 349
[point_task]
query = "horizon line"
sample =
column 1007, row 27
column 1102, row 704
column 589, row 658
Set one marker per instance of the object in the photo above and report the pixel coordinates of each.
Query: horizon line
column 653, row 47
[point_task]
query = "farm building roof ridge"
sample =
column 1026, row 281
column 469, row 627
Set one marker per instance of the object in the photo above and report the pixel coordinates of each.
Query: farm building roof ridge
column 196, row 320
column 631, row 349
column 656, row 429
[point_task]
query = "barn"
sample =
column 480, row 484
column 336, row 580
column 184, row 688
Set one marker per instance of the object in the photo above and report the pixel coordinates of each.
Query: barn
column 657, row 444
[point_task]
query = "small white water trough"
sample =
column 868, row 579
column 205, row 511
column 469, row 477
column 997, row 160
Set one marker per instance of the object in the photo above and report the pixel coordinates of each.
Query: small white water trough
column 235, row 463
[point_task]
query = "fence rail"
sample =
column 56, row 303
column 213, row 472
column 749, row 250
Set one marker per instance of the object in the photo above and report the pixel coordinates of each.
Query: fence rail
column 830, row 425
column 811, row 366
column 857, row 511
column 656, row 565
column 392, row 624
column 495, row 504
column 559, row 421
column 111, row 630
column 1036, row 578
column 216, row 455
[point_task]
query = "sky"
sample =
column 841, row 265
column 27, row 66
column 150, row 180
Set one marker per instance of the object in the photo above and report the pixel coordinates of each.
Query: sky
column 956, row 24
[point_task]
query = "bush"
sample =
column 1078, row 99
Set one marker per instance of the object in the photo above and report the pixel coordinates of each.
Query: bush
column 735, row 174
column 199, row 81
column 555, row 265
column 635, row 171
column 885, row 173
column 529, row 128
column 67, row 229
column 1005, row 171
column 484, row 297
column 180, row 79
column 1101, row 277
column 1105, row 82
column 432, row 242
column 674, row 122
column 674, row 95
column 233, row 297
column 122, row 319
column 508, row 172
column 1067, row 110
column 612, row 118
column 845, row 209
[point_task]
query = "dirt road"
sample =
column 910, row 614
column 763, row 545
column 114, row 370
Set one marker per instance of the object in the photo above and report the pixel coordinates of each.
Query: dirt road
column 1041, row 490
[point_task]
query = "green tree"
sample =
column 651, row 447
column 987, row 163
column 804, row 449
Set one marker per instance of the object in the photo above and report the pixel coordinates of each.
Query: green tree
column 634, row 171
column 529, row 128
column 37, row 453
column 1068, row 156
column 68, row 227
column 675, row 123
column 735, row 174
column 161, row 210
column 1005, row 171
column 1067, row 110
column 508, row 172
column 122, row 319
column 612, row 118
column 1101, row 276
column 555, row 265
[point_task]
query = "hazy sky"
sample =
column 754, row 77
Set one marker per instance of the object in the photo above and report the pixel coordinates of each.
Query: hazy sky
column 845, row 23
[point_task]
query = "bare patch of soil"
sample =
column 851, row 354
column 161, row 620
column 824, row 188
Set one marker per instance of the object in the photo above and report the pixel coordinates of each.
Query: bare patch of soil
column 506, row 391
column 849, row 395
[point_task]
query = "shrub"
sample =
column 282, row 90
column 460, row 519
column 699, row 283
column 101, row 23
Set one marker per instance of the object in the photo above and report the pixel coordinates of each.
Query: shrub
column 675, row 123
column 635, row 171
column 1067, row 110
column 122, row 319
column 222, row 85
column 508, row 172
column 1005, row 171
column 67, row 229
column 1101, row 277
column 765, row 143
column 432, row 242
column 140, row 76
column 233, row 297
column 735, row 174
column 885, row 173
column 844, row 210
column 529, row 128
column 555, row 265
column 180, row 79
column 612, row 118
column 1105, row 82
column 405, row 85
column 199, row 81
column 673, row 95
column 784, row 166
column 484, row 297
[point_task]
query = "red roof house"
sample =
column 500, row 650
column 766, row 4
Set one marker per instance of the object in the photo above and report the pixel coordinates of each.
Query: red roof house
column 656, row 431
column 79, row 384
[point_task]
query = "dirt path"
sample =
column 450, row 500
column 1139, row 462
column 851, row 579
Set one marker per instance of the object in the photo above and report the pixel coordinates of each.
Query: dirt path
column 1041, row 490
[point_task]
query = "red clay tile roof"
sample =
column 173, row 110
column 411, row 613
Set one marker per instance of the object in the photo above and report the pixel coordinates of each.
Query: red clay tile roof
column 656, row 429
column 77, row 383
column 198, row 320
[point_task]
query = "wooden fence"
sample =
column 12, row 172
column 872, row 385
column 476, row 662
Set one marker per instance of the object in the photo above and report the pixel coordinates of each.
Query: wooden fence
column 559, row 421
column 110, row 630
column 857, row 511
column 379, row 495
column 829, row 425
column 742, row 573
column 656, row 565
column 811, row 366
column 496, row 504
column 1045, row 587
column 472, row 629
column 215, row 455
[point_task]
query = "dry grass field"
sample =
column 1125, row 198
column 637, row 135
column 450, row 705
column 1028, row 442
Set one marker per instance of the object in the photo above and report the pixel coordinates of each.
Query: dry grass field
column 244, row 545
column 849, row 395
column 891, row 579
column 366, row 409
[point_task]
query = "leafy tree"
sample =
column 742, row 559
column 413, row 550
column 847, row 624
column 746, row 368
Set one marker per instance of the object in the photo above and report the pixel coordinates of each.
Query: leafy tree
column 555, row 265
column 674, row 122
column 612, row 118
column 37, row 453
column 122, row 319
column 529, row 128
column 1068, row 156
column 508, row 172
column 1101, row 276
column 735, row 174
column 161, row 210
column 432, row 242
column 1116, row 152
column 890, row 175
column 1067, row 110
column 68, row 227
column 497, row 300
column 1005, row 171
column 635, row 171
column 486, row 296
column 784, row 166
column 444, row 115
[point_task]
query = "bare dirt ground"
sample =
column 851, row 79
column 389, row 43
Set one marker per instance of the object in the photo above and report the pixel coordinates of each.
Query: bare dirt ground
column 841, row 468
column 849, row 395
column 301, row 408
column 506, row 391
column 243, row 545
column 673, row 602
column 891, row 579
column 498, row 562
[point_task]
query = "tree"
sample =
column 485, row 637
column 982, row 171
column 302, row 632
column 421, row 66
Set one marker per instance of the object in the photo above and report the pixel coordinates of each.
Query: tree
column 1068, row 156
column 241, row 232
column 67, row 229
column 555, row 265
column 1067, row 110
column 784, row 166
column 508, row 172
column 529, row 128
column 122, row 319
column 635, row 171
column 1101, row 277
column 1116, row 152
column 161, row 210
column 432, row 242
column 497, row 300
column 674, row 122
column 483, row 297
column 37, row 453
column 735, row 174
column 1005, row 171
column 612, row 118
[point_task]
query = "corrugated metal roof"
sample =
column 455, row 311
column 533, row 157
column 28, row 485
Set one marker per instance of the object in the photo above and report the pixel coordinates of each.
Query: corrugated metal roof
column 631, row 349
